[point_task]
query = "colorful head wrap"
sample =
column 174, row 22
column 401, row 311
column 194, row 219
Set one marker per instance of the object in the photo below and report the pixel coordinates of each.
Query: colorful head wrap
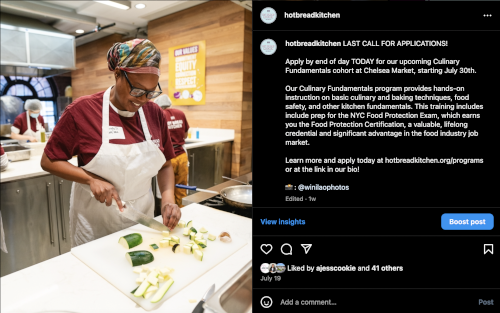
column 135, row 56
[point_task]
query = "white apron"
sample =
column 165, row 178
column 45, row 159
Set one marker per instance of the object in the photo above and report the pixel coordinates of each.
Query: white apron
column 30, row 132
column 129, row 168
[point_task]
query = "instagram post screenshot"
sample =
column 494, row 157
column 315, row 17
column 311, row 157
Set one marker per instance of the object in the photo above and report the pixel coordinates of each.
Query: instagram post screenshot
column 377, row 188
column 132, row 135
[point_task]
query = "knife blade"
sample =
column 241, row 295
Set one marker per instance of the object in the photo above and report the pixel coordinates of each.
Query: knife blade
column 199, row 307
column 138, row 217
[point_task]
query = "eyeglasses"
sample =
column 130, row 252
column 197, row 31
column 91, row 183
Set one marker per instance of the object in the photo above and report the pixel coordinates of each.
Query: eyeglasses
column 138, row 92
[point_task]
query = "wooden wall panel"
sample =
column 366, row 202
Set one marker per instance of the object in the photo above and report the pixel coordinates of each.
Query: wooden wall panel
column 92, row 74
column 227, row 31
column 246, row 110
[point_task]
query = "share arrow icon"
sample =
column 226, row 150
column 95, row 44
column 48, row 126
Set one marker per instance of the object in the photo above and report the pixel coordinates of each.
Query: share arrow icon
column 306, row 246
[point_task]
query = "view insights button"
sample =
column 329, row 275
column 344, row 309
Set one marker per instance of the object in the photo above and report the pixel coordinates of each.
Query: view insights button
column 467, row 221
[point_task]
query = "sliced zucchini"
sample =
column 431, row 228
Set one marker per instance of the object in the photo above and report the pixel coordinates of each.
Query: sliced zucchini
column 145, row 268
column 148, row 295
column 160, row 279
column 165, row 234
column 136, row 258
column 212, row 237
column 145, row 284
column 172, row 243
column 181, row 224
column 154, row 247
column 164, row 271
column 189, row 224
column 187, row 249
column 164, row 243
column 130, row 241
column 137, row 270
column 143, row 275
column 202, row 245
column 153, row 280
column 191, row 242
column 134, row 289
column 192, row 235
column 193, row 230
column 203, row 230
column 162, row 291
column 175, row 238
column 139, row 292
column 198, row 255
column 152, row 288
column 202, row 241
column 176, row 248
column 139, row 280
column 186, row 231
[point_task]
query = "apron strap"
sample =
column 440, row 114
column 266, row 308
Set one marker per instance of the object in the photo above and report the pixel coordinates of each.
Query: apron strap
column 144, row 124
column 105, row 116
column 28, row 119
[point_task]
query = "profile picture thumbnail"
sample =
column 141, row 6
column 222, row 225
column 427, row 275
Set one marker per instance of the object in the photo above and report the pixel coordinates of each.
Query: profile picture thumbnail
column 272, row 268
column 264, row 268
column 280, row 268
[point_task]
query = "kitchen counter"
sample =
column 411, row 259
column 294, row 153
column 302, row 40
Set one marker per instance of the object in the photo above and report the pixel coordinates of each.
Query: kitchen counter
column 209, row 136
column 31, row 168
column 65, row 284
column 26, row 169
column 202, row 196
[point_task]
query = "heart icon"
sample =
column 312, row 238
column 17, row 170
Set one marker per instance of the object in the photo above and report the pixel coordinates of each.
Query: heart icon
column 266, row 248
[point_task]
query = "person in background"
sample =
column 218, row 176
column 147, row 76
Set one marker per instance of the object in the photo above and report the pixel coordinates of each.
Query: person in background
column 27, row 126
column 122, row 141
column 4, row 162
column 178, row 128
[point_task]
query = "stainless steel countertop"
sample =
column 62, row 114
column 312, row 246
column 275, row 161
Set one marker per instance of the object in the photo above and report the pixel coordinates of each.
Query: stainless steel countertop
column 201, row 196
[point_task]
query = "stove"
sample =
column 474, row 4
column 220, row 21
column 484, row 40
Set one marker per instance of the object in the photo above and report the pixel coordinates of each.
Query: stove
column 216, row 202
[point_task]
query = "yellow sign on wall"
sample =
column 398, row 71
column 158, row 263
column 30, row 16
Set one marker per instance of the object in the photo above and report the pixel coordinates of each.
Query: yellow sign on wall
column 186, row 74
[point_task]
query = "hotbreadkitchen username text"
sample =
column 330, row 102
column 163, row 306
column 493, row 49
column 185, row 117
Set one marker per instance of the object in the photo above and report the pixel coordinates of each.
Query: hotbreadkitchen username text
column 312, row 15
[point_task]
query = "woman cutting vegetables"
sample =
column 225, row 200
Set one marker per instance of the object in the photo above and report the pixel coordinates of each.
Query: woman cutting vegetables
column 122, row 141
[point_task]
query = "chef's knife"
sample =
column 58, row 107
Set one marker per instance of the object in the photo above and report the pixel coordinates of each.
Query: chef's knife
column 138, row 217
column 199, row 307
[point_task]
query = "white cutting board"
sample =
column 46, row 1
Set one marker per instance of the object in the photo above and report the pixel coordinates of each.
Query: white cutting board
column 107, row 257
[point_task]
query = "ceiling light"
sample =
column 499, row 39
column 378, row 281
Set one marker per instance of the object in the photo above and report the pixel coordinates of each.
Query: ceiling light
column 140, row 6
column 124, row 5
column 79, row 31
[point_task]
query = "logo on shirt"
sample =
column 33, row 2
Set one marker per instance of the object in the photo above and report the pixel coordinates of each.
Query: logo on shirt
column 172, row 117
column 156, row 142
column 174, row 124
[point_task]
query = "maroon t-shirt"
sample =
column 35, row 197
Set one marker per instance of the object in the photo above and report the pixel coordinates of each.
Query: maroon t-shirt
column 79, row 131
column 2, row 151
column 21, row 123
column 178, row 126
